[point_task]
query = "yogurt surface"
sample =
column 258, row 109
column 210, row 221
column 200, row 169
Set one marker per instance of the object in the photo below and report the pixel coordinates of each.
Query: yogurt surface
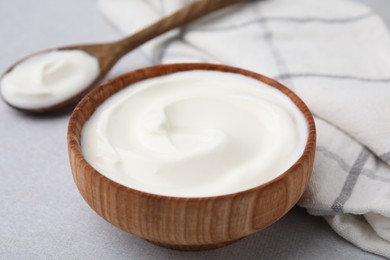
column 49, row 78
column 195, row 134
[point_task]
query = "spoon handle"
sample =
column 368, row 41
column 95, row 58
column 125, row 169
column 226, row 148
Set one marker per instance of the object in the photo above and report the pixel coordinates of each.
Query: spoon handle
column 182, row 17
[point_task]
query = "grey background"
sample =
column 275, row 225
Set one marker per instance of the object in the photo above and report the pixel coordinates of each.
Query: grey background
column 42, row 215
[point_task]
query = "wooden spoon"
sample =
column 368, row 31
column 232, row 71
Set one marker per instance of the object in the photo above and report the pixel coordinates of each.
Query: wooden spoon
column 109, row 53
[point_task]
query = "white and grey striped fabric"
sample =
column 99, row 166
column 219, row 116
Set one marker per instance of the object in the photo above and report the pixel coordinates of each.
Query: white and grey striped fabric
column 335, row 54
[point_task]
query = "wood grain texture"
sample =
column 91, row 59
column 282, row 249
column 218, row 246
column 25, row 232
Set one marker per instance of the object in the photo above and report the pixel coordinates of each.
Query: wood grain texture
column 109, row 53
column 186, row 223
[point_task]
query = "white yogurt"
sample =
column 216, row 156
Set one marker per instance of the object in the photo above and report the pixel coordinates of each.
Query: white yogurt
column 195, row 134
column 50, row 78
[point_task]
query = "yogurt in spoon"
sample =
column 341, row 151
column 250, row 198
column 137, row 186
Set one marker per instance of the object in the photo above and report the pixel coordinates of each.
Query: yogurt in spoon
column 49, row 78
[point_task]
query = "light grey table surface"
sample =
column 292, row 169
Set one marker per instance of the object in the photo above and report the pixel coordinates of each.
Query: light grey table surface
column 42, row 215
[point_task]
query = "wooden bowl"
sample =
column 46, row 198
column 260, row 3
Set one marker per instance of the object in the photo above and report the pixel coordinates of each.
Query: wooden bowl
column 186, row 223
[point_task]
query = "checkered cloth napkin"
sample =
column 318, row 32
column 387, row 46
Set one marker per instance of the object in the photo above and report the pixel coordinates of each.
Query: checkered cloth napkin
column 335, row 55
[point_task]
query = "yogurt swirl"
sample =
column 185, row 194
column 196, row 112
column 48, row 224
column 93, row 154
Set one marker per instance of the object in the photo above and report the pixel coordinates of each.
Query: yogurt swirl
column 195, row 134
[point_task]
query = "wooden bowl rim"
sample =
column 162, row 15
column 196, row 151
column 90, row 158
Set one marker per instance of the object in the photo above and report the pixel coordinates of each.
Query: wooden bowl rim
column 74, row 143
